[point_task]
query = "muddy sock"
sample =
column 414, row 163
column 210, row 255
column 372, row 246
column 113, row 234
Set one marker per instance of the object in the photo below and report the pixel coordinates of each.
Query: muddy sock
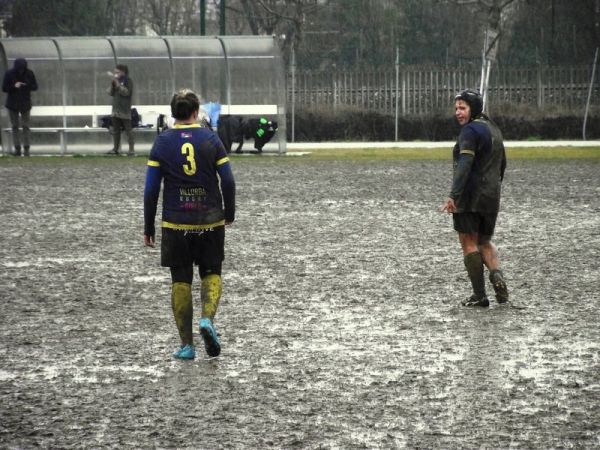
column 499, row 284
column 496, row 273
column 183, row 310
column 210, row 295
column 474, row 265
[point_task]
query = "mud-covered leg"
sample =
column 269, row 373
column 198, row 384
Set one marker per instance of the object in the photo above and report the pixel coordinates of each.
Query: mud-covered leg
column 183, row 310
column 489, row 253
column 474, row 266
column 499, row 284
column 210, row 295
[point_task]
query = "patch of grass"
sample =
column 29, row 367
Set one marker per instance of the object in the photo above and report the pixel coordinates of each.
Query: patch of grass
column 554, row 153
column 354, row 154
column 73, row 159
column 385, row 154
column 379, row 154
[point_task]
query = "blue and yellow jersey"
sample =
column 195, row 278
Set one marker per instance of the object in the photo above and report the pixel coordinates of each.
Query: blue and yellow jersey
column 199, row 188
column 479, row 164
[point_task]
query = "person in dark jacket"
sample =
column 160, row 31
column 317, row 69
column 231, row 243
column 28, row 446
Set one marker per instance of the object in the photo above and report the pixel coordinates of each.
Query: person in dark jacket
column 121, row 91
column 18, row 84
column 474, row 201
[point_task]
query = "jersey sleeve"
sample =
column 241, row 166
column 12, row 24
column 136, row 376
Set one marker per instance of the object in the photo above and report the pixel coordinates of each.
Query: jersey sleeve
column 503, row 163
column 467, row 141
column 152, row 190
column 467, row 146
column 227, row 180
column 461, row 175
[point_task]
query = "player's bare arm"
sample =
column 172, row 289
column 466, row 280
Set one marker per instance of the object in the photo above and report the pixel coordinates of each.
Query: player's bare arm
column 148, row 241
column 449, row 206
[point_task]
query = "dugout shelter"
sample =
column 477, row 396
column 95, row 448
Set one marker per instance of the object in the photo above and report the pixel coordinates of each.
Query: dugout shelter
column 244, row 74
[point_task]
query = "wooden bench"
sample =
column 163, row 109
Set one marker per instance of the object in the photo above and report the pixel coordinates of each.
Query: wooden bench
column 148, row 113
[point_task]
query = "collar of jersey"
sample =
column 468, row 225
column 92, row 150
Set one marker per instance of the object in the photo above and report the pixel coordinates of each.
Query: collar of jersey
column 191, row 125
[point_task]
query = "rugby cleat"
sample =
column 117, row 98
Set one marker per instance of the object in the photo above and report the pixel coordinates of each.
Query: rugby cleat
column 474, row 301
column 186, row 352
column 212, row 344
column 500, row 287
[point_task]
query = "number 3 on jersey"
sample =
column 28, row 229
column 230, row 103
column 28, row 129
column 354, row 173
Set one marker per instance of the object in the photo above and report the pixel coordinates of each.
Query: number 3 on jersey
column 190, row 167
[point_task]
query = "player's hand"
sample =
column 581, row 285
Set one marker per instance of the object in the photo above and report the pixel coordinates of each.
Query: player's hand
column 148, row 241
column 449, row 206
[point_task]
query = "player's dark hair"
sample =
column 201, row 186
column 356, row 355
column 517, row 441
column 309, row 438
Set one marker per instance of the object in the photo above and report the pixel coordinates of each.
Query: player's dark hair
column 184, row 103
column 123, row 68
column 474, row 100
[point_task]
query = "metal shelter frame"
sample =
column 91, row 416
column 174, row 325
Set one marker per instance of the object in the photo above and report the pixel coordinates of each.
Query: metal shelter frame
column 244, row 74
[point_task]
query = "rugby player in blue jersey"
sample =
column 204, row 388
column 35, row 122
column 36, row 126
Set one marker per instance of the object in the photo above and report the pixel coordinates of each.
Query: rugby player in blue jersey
column 474, row 201
column 198, row 201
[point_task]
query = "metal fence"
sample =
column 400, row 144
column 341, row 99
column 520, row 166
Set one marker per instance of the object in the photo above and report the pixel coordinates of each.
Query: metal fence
column 424, row 91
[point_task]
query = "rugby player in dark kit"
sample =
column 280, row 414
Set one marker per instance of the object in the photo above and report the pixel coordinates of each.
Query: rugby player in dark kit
column 474, row 201
column 198, row 201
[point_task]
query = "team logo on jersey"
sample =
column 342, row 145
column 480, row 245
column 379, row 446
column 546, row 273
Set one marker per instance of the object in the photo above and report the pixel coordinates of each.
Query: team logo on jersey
column 185, row 135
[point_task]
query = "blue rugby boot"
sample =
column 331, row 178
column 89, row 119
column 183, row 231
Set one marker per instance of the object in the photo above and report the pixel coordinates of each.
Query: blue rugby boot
column 212, row 344
column 186, row 352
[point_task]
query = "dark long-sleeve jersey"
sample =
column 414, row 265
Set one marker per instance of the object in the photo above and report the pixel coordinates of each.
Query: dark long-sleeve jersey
column 199, row 187
column 479, row 164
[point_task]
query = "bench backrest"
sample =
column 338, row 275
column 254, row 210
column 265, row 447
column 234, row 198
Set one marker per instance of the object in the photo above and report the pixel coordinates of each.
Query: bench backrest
column 149, row 113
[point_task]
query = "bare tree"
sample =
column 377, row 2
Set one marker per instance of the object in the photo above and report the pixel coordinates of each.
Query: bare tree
column 124, row 16
column 57, row 18
column 174, row 17
column 348, row 33
column 497, row 11
column 285, row 18
column 497, row 14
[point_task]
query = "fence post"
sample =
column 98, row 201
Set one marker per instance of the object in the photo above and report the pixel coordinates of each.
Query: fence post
column 335, row 91
column 540, row 86
column 587, row 104
column 293, row 66
column 396, row 96
column 403, row 93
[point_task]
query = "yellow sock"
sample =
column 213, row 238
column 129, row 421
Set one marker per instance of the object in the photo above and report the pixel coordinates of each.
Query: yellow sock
column 183, row 310
column 210, row 295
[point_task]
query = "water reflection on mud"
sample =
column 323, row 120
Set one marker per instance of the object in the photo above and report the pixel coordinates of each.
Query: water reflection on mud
column 339, row 322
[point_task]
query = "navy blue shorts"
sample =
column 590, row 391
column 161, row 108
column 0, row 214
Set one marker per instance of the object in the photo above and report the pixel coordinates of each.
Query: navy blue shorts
column 472, row 222
column 183, row 248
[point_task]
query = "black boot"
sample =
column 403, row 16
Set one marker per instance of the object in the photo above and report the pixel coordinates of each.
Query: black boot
column 17, row 150
column 497, row 280
column 26, row 148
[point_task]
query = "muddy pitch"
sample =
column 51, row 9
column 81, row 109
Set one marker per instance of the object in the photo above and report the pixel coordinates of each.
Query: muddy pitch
column 339, row 319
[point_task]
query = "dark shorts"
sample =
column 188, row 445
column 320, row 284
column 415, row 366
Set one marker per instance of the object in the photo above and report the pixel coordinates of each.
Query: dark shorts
column 472, row 222
column 183, row 248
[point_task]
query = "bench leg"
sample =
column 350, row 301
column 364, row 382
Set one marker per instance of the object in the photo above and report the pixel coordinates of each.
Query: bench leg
column 7, row 143
column 63, row 143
